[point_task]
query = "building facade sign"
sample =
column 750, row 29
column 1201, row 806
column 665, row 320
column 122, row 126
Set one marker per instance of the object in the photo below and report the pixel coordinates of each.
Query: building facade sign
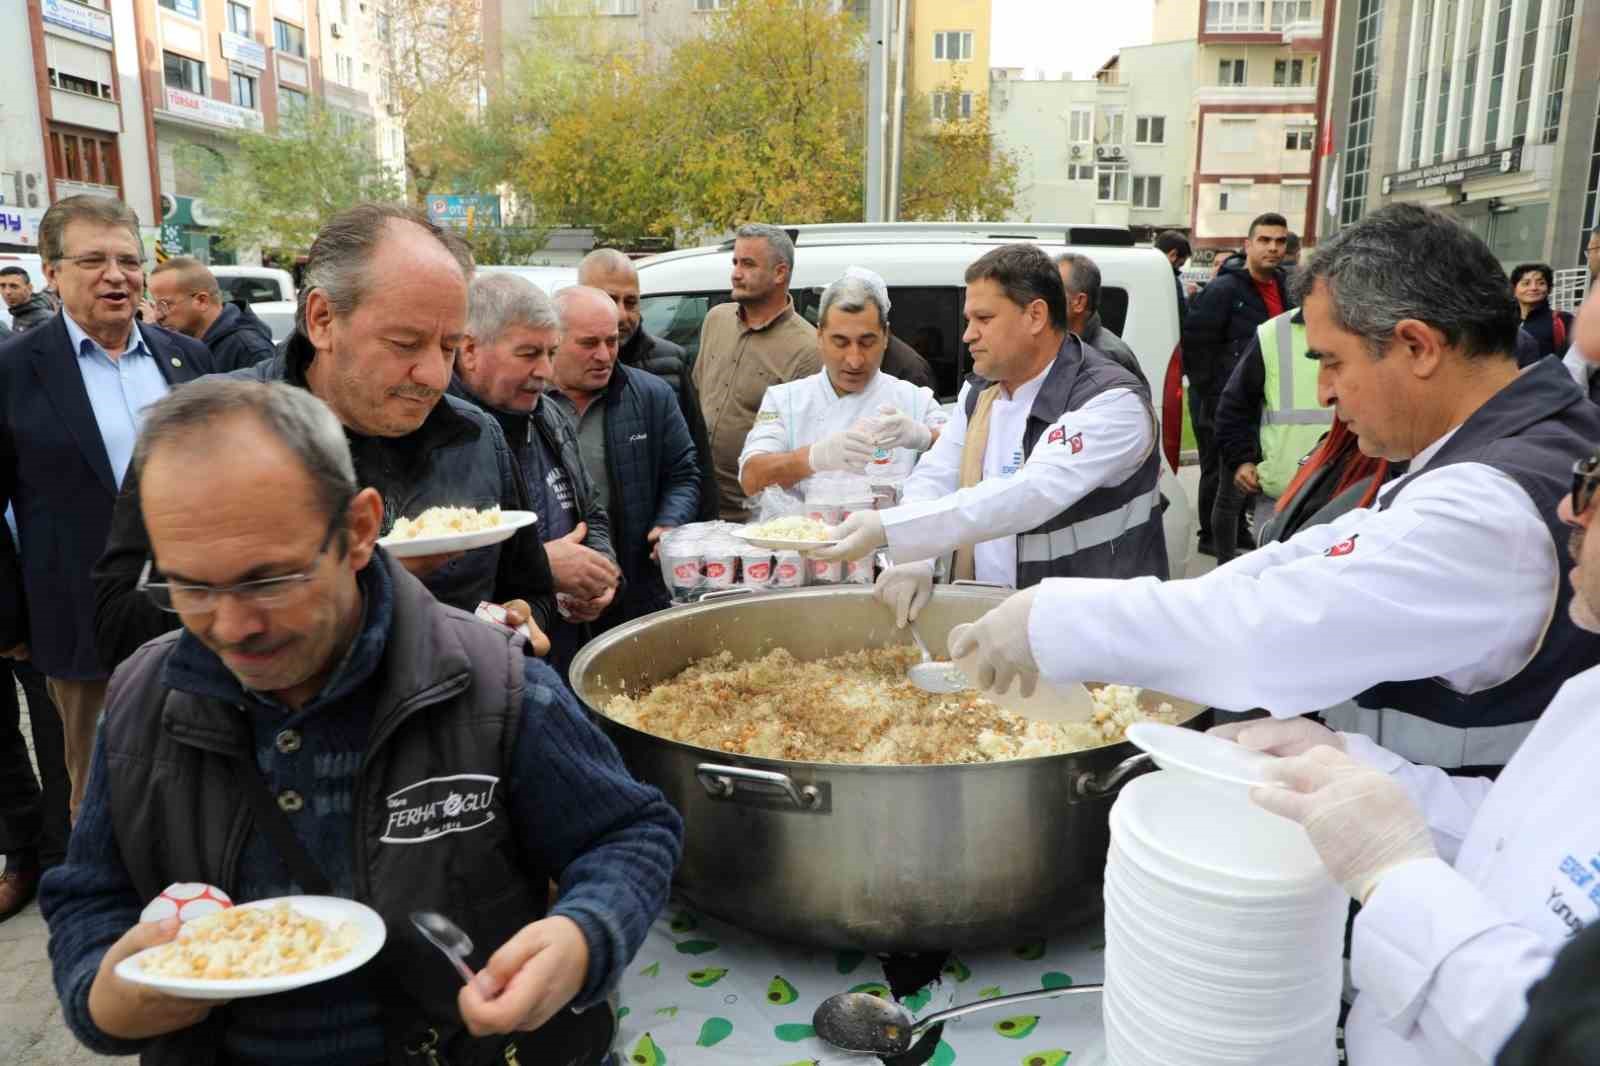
column 213, row 112
column 464, row 211
column 20, row 225
column 1504, row 161
column 80, row 18
column 244, row 51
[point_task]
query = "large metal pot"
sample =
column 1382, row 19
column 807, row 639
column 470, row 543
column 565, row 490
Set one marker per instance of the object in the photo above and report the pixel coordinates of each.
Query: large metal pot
column 880, row 858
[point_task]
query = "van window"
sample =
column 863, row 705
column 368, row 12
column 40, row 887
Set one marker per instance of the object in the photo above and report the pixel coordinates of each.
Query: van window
column 1113, row 308
column 251, row 290
column 927, row 318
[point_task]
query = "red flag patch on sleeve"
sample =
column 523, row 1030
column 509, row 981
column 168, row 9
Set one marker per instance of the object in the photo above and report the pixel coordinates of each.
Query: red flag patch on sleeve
column 1344, row 547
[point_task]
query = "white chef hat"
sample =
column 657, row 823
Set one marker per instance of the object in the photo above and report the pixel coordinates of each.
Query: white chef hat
column 873, row 279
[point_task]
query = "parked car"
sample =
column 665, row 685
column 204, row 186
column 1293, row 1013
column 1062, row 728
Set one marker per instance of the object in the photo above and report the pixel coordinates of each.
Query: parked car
column 548, row 278
column 269, row 291
column 924, row 265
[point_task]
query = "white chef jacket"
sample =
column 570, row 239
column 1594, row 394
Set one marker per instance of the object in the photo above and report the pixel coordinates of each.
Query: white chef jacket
column 1444, row 951
column 800, row 413
column 1457, row 580
column 936, row 515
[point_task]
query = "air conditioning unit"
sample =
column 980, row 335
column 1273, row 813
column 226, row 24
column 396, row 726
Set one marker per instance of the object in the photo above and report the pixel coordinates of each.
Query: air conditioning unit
column 1116, row 151
column 1077, row 151
column 336, row 29
column 1102, row 152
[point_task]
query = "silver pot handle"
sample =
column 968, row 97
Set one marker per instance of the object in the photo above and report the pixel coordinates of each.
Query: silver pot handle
column 1089, row 784
column 726, row 594
column 722, row 782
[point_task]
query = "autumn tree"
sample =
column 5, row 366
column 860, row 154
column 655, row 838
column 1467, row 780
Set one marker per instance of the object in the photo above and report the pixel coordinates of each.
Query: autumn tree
column 279, row 188
column 951, row 169
column 436, row 76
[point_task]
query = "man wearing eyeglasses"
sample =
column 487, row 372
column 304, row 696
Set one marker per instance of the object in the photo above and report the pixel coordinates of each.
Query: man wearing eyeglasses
column 72, row 396
column 322, row 724
column 189, row 300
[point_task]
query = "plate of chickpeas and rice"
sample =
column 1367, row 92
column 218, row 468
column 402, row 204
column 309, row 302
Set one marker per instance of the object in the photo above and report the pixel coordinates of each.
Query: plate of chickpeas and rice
column 441, row 530
column 259, row 948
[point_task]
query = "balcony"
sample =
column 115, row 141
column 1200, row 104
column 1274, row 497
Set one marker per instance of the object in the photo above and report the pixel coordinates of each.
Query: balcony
column 85, row 188
column 1256, row 94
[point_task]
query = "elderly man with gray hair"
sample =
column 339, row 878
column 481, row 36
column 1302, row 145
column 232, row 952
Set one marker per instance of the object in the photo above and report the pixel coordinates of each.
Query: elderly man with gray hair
column 747, row 345
column 849, row 417
column 1081, row 276
column 504, row 367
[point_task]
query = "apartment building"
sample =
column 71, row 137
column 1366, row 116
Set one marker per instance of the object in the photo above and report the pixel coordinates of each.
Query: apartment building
column 1255, row 107
column 947, row 54
column 76, row 121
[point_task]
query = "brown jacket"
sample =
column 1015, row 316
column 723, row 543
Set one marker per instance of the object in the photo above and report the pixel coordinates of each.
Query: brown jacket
column 735, row 367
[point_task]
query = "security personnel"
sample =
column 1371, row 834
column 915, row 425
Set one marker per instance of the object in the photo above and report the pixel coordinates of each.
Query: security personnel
column 1268, row 421
column 1441, row 610
column 1049, row 466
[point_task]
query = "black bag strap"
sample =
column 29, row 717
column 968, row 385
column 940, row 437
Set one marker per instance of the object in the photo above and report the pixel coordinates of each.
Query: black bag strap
column 271, row 820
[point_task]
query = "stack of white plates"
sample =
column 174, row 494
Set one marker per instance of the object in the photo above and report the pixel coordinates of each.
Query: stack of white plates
column 1223, row 931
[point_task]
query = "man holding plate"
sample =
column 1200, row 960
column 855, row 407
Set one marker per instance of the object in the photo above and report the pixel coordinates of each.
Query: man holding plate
column 383, row 313
column 322, row 724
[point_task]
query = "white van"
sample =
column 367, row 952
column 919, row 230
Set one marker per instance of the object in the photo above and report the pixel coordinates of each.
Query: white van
column 269, row 291
column 28, row 261
column 548, row 278
column 924, row 265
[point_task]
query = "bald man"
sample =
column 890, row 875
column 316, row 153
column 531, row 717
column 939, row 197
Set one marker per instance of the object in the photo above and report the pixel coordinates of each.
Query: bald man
column 613, row 273
column 189, row 300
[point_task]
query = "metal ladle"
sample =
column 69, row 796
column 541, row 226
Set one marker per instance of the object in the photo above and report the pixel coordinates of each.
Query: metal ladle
column 941, row 679
column 874, row 1025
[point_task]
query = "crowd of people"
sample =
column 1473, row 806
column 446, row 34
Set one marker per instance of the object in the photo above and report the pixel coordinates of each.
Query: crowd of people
column 230, row 681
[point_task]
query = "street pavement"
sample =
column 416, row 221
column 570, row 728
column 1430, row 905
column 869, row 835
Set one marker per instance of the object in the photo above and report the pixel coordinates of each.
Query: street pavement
column 31, row 1030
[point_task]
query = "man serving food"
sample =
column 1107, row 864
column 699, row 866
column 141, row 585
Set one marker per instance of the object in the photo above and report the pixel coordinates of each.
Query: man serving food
column 320, row 717
column 1048, row 468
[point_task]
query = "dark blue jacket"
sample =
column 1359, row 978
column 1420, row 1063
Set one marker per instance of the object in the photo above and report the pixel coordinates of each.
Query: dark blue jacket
column 55, row 472
column 238, row 339
column 1222, row 321
column 654, row 480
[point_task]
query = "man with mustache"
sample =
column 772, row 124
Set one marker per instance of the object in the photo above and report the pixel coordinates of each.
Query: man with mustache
column 383, row 312
column 72, row 396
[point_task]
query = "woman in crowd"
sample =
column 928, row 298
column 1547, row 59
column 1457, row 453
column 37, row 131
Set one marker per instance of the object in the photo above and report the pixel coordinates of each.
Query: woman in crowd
column 1551, row 330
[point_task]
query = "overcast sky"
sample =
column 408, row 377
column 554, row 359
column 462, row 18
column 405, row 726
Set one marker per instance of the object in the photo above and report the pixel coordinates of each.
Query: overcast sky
column 1066, row 35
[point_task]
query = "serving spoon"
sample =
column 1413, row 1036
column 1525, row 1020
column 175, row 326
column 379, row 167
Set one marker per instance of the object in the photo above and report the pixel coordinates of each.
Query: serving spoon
column 941, row 679
column 875, row 1025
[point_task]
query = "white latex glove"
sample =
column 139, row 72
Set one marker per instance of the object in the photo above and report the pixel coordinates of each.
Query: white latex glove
column 859, row 536
column 1362, row 822
column 1279, row 736
column 905, row 590
column 1000, row 639
column 847, row 450
column 896, row 429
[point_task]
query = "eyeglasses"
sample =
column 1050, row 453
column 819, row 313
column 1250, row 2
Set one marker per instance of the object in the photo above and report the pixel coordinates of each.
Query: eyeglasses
column 95, row 262
column 165, row 306
column 1585, row 480
column 266, row 592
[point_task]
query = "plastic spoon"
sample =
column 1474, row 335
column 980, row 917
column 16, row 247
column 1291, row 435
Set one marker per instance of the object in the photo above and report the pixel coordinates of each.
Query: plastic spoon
column 448, row 937
column 874, row 1025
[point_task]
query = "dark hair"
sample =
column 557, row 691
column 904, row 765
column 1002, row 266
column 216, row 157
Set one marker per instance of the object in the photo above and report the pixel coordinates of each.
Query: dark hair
column 1271, row 218
column 1406, row 261
column 1521, row 270
column 1026, row 274
column 1173, row 241
column 15, row 272
column 1291, row 247
column 105, row 210
column 338, row 260
column 1085, row 278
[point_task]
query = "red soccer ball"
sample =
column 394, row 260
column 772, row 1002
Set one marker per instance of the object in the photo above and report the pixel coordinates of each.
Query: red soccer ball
column 186, row 900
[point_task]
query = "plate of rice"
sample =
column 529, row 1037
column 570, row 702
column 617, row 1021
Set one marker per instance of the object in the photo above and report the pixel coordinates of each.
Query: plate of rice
column 797, row 533
column 256, row 949
column 439, row 530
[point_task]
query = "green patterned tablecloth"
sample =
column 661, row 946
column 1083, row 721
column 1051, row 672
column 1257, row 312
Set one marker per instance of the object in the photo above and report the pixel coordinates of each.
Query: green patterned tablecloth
column 703, row 993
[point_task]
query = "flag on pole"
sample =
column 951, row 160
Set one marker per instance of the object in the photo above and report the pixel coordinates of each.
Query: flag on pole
column 1333, row 189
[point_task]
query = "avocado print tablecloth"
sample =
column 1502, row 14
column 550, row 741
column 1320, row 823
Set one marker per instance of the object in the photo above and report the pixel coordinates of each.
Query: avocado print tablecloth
column 703, row 993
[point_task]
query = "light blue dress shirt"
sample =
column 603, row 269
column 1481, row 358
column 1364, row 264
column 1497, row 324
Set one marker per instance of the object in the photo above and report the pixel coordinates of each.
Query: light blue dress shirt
column 119, row 390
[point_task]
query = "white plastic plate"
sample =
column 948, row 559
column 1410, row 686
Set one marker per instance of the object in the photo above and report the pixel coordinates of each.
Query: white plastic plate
column 329, row 909
column 510, row 522
column 781, row 545
column 1189, row 750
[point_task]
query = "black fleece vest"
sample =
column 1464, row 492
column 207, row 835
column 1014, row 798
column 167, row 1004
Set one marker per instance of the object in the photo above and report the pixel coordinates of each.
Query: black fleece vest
column 450, row 699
